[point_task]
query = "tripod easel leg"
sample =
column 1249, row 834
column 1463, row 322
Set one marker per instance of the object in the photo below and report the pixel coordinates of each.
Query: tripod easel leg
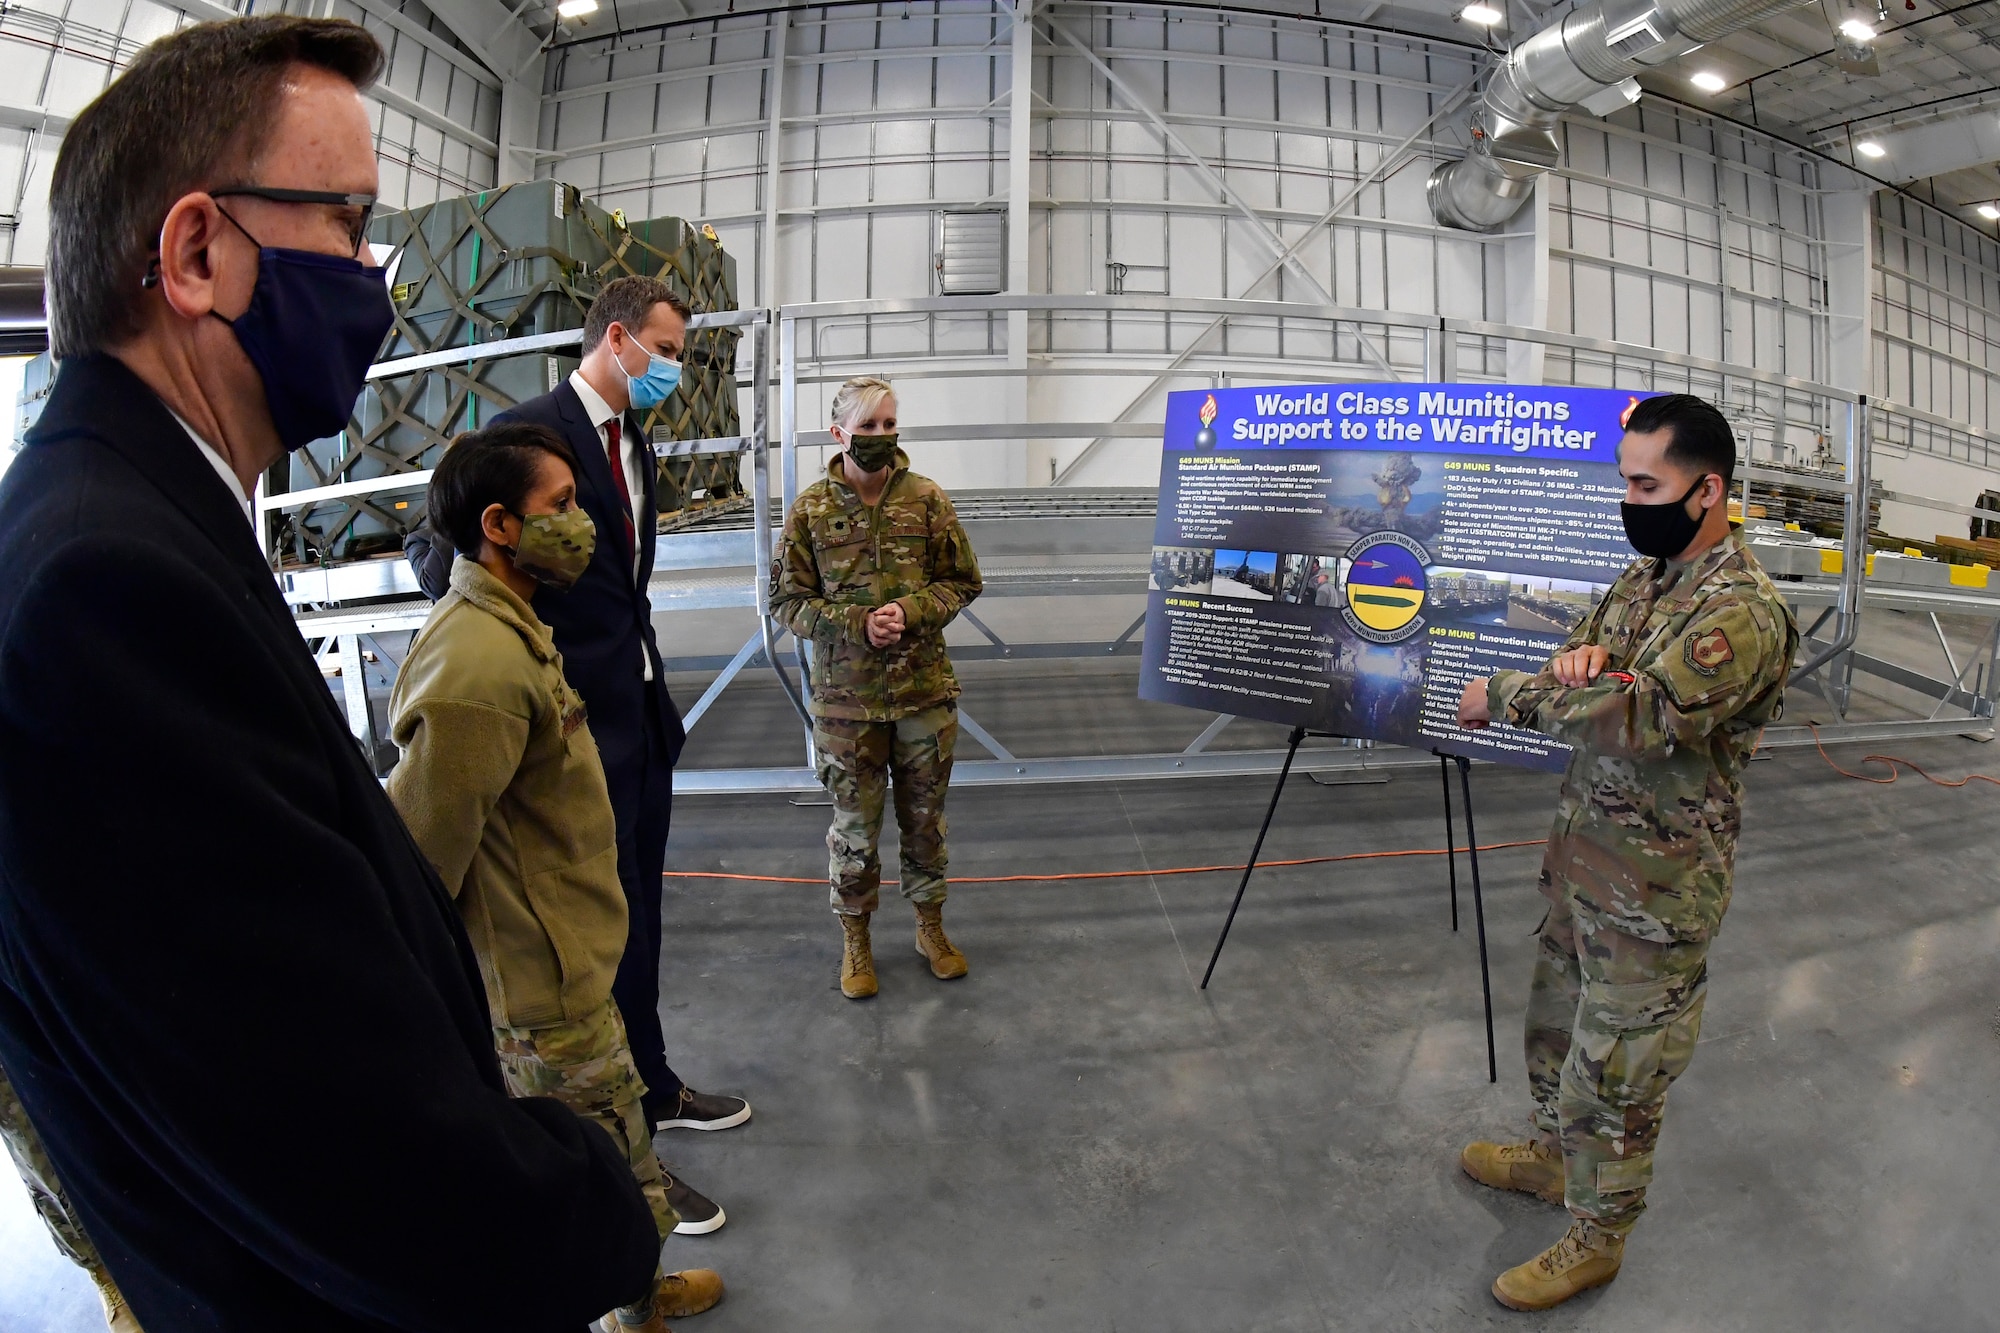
column 1479, row 915
column 1291, row 753
column 1450, row 839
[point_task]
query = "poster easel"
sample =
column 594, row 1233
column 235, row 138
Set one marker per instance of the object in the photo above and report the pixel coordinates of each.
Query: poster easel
column 1341, row 559
column 1445, row 762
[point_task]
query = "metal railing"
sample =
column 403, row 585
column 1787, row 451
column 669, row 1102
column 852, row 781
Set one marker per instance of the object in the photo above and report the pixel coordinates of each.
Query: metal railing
column 1783, row 403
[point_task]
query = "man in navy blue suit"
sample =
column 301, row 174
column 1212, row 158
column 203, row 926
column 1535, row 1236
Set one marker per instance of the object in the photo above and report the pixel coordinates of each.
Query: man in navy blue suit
column 632, row 343
column 248, row 1024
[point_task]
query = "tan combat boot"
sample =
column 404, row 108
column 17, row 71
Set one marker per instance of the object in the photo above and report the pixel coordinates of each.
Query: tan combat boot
column 1584, row 1258
column 857, row 963
column 118, row 1316
column 1528, row 1167
column 675, row 1296
column 946, row 961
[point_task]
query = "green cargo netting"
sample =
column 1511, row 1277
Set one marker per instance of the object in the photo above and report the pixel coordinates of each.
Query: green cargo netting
column 693, row 263
column 510, row 263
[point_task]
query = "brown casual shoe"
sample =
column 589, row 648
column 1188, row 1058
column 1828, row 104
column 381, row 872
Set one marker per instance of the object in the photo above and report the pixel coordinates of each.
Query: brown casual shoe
column 857, row 962
column 700, row 1110
column 1584, row 1258
column 699, row 1214
column 946, row 961
column 1528, row 1167
column 675, row 1296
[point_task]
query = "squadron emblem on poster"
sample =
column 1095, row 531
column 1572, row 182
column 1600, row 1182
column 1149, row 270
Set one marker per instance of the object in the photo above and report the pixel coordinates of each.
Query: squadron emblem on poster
column 1386, row 587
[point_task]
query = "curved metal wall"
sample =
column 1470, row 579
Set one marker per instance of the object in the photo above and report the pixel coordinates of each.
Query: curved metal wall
column 1662, row 228
column 436, row 110
column 1175, row 151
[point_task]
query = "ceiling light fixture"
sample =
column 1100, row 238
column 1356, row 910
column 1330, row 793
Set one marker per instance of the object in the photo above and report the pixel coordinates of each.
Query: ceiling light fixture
column 1859, row 30
column 1482, row 14
column 1708, row 81
column 1990, row 212
column 575, row 9
column 1869, row 148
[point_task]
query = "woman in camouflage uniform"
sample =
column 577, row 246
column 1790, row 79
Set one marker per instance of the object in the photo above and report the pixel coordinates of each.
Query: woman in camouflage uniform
column 872, row 567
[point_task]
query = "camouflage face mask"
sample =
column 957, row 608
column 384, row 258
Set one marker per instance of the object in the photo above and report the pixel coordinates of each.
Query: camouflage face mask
column 555, row 549
column 872, row 453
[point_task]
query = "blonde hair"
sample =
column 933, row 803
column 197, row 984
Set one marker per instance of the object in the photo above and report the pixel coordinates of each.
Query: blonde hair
column 858, row 397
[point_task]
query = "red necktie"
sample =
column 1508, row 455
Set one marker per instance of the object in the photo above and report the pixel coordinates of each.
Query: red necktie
column 611, row 434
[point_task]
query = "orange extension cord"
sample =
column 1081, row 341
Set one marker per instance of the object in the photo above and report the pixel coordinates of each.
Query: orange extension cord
column 1891, row 760
column 1894, row 770
column 1121, row 874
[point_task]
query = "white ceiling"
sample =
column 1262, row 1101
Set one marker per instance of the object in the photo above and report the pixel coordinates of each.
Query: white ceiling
column 1934, row 103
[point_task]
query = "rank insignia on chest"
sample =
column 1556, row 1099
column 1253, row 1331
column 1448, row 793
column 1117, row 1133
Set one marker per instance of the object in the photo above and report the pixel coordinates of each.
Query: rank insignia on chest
column 1709, row 653
column 839, row 526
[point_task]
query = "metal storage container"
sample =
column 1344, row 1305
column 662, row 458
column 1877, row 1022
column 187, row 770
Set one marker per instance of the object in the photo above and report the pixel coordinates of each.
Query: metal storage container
column 692, row 262
column 523, row 260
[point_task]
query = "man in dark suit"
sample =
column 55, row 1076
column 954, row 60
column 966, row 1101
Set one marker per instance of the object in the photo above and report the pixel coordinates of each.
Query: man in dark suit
column 236, row 1002
column 632, row 343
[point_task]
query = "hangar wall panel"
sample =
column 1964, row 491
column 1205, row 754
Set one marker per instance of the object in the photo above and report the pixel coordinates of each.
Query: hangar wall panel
column 893, row 115
column 55, row 57
column 1936, row 326
column 1663, row 229
column 1673, row 231
column 451, row 151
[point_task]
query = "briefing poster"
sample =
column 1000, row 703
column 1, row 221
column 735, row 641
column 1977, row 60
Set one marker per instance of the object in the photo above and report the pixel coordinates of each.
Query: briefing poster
column 1346, row 557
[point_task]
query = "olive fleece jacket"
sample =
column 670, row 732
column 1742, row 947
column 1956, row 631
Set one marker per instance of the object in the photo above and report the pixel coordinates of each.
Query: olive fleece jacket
column 501, row 784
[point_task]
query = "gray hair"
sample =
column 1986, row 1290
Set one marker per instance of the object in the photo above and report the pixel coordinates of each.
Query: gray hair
column 192, row 112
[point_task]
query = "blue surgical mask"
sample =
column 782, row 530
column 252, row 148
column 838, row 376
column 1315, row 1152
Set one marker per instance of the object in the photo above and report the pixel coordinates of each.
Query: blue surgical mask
column 650, row 389
column 313, row 327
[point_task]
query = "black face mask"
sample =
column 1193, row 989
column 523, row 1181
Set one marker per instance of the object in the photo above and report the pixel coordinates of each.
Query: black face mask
column 313, row 327
column 1663, row 531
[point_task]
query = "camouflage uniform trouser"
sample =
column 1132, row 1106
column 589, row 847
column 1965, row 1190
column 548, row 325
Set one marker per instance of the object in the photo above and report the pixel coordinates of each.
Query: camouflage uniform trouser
column 587, row 1065
column 1612, row 1021
column 858, row 762
column 38, row 1173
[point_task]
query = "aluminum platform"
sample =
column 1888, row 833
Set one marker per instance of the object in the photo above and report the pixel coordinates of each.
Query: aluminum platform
column 1039, row 523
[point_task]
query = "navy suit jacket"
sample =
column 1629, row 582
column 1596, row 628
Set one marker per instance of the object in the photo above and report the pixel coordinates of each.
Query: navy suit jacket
column 234, row 997
column 603, row 624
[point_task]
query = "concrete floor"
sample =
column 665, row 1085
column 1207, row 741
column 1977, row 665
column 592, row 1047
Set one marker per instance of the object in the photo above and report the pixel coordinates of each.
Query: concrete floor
column 1074, row 1137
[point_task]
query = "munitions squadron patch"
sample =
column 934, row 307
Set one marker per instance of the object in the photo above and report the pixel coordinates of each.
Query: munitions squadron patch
column 1709, row 653
column 573, row 712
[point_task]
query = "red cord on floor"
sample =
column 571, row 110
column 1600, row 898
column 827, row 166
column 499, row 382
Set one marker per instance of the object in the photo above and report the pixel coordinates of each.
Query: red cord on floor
column 1892, row 761
column 1122, row 874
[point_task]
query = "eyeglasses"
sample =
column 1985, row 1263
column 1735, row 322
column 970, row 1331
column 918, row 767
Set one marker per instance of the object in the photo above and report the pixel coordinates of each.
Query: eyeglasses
column 357, row 227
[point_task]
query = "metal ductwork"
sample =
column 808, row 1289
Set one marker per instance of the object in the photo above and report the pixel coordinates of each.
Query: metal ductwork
column 1586, row 58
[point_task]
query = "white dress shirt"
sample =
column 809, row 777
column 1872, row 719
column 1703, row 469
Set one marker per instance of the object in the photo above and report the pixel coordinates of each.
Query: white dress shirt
column 222, row 469
column 636, row 457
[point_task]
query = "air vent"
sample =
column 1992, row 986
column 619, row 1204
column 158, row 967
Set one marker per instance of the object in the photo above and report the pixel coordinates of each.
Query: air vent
column 972, row 253
column 1634, row 27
